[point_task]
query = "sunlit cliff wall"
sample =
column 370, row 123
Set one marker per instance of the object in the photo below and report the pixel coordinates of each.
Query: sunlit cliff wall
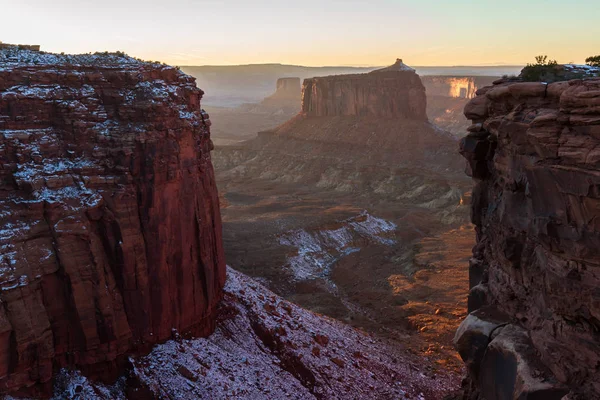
column 455, row 87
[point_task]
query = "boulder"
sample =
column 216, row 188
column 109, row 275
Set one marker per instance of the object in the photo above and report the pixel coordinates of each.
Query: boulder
column 511, row 369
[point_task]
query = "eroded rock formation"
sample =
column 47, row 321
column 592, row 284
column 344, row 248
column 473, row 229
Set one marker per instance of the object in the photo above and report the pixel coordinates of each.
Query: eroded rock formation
column 111, row 233
column 534, row 153
column 395, row 91
column 380, row 115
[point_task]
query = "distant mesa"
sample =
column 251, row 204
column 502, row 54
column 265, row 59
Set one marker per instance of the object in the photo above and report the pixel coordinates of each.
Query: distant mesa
column 288, row 89
column 394, row 91
column 382, row 114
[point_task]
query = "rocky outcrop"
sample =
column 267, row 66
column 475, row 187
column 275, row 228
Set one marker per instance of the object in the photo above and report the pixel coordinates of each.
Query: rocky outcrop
column 533, row 152
column 391, row 92
column 111, row 233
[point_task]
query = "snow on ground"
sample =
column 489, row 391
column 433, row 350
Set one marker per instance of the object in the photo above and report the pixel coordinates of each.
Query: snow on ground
column 21, row 56
column 587, row 69
column 318, row 250
column 267, row 348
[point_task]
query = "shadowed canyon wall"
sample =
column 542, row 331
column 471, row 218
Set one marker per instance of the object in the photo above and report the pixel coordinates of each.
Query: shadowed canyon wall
column 534, row 154
column 111, row 232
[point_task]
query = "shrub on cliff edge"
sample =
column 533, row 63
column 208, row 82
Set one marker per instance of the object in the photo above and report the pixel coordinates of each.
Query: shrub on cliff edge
column 593, row 61
column 542, row 70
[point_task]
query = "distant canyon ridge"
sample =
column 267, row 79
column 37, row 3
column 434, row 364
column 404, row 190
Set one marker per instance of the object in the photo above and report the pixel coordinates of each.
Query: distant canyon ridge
column 231, row 86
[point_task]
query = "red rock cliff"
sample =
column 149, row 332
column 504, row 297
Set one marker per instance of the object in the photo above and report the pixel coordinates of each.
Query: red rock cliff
column 110, row 227
column 534, row 154
column 395, row 91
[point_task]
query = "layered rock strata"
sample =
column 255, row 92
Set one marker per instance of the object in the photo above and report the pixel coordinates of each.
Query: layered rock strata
column 395, row 91
column 534, row 153
column 111, row 232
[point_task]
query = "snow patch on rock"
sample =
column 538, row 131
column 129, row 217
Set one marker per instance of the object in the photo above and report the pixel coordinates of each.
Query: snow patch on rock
column 317, row 251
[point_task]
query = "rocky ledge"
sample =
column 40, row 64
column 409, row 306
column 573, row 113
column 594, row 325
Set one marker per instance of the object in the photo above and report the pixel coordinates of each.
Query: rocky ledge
column 534, row 153
column 110, row 228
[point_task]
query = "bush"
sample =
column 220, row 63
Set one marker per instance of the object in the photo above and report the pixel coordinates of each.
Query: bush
column 543, row 70
column 593, row 61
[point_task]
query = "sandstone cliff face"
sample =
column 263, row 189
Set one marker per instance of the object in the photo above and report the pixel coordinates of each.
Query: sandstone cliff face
column 534, row 154
column 111, row 233
column 394, row 92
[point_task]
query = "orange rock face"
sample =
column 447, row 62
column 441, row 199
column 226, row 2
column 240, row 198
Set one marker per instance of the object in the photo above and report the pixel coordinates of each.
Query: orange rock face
column 110, row 232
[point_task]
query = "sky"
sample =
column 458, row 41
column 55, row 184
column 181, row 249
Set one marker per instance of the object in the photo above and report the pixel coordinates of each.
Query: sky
column 311, row 32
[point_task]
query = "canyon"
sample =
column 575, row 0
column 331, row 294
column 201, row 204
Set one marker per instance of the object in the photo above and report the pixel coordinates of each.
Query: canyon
column 532, row 152
column 354, row 273
column 356, row 208
column 113, row 269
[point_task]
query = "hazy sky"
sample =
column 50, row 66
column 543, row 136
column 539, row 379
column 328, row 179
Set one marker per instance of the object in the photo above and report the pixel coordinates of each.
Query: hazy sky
column 311, row 32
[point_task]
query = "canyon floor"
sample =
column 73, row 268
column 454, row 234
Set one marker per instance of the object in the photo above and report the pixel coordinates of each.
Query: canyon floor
column 386, row 268
column 392, row 264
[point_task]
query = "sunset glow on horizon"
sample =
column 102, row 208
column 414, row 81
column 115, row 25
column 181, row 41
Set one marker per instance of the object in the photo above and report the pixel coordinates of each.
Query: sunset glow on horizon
column 350, row 33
